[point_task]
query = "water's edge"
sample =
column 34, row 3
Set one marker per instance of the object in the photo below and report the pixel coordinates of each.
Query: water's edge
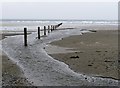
column 37, row 57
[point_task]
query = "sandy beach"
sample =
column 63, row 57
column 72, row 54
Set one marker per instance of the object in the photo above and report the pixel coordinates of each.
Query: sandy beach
column 59, row 44
column 12, row 74
column 97, row 53
column 44, row 69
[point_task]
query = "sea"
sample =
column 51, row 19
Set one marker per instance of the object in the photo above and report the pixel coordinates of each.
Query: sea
column 18, row 24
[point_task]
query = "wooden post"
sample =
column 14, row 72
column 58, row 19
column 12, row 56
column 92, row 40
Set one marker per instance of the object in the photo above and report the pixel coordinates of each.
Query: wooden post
column 38, row 32
column 51, row 28
column 48, row 29
column 25, row 36
column 55, row 26
column 44, row 30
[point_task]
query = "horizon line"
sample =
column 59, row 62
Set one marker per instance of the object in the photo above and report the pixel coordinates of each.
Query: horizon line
column 60, row 19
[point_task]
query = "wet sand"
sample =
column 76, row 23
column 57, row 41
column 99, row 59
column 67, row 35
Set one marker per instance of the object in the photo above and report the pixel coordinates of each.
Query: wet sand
column 5, row 35
column 41, row 69
column 12, row 75
column 97, row 53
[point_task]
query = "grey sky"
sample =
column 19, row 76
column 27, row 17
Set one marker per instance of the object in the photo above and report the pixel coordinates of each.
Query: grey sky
column 60, row 10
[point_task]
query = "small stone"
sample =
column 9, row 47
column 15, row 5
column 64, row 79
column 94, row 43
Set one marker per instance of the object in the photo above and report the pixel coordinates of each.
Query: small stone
column 89, row 65
column 75, row 52
column 98, row 51
column 74, row 57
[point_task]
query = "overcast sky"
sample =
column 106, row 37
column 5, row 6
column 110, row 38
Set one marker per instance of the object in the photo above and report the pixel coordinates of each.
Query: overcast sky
column 60, row 10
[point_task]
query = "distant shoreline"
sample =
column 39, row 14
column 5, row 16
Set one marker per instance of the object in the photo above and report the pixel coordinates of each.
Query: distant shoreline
column 55, row 20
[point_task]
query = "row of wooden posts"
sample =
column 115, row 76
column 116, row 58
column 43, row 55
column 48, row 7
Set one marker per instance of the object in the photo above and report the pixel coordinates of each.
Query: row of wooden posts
column 50, row 28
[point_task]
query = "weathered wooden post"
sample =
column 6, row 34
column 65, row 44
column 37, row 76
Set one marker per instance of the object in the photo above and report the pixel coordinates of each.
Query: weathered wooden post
column 44, row 30
column 25, row 36
column 38, row 32
column 51, row 28
column 55, row 26
column 48, row 29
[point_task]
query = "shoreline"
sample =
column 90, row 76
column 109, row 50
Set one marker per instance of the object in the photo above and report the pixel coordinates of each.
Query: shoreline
column 90, row 66
column 35, row 53
column 12, row 74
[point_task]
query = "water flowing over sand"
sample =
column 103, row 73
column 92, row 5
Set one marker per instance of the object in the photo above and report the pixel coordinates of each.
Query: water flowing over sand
column 40, row 68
